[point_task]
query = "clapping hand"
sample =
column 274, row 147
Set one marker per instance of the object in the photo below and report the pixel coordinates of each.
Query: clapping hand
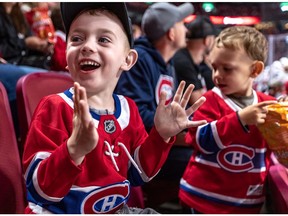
column 84, row 137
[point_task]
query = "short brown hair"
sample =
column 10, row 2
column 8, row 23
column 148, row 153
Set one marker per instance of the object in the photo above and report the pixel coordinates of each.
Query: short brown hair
column 250, row 39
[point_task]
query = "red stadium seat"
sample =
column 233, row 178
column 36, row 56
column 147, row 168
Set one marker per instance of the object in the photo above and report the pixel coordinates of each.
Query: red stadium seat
column 13, row 192
column 278, row 188
column 30, row 89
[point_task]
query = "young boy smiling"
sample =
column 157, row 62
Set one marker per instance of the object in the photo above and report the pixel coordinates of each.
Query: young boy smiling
column 86, row 146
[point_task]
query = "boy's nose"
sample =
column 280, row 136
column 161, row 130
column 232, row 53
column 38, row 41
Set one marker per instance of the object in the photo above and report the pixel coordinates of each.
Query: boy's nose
column 89, row 46
column 216, row 72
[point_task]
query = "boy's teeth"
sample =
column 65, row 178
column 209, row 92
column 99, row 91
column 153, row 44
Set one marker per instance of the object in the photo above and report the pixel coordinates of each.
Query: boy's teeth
column 89, row 63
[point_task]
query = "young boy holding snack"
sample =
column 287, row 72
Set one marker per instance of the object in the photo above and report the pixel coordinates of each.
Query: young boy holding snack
column 228, row 169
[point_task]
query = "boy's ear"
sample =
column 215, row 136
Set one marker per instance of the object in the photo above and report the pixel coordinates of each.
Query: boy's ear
column 257, row 68
column 130, row 60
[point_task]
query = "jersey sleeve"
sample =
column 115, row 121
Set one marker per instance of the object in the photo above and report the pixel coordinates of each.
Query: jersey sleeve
column 223, row 127
column 49, row 170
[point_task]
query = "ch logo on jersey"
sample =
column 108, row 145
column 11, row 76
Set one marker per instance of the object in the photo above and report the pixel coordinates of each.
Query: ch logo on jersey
column 236, row 158
column 165, row 83
column 109, row 126
column 106, row 200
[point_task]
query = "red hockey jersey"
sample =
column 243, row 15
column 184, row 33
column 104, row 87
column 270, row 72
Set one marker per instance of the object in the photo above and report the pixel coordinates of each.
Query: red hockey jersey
column 228, row 168
column 124, row 155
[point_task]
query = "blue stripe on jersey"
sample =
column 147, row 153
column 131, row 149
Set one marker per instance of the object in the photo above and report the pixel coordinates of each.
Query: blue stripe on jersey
column 134, row 177
column 31, row 191
column 117, row 112
column 206, row 139
column 221, row 201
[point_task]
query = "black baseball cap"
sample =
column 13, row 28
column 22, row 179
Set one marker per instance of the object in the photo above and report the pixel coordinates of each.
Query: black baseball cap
column 69, row 10
column 201, row 27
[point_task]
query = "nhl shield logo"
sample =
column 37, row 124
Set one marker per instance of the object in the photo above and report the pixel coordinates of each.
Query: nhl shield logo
column 109, row 126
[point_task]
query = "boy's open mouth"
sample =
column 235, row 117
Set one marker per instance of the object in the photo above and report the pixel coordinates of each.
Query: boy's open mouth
column 89, row 65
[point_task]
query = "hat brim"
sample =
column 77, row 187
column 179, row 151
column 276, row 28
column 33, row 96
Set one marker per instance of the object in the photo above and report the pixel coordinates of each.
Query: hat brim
column 69, row 10
column 185, row 9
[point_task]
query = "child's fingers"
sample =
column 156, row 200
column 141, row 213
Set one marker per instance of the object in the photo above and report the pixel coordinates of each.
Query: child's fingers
column 84, row 107
column 187, row 95
column 196, row 123
column 195, row 106
column 266, row 103
column 76, row 97
column 162, row 99
column 179, row 92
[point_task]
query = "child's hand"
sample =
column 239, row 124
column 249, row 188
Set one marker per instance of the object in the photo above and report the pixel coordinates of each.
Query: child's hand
column 84, row 137
column 283, row 98
column 3, row 61
column 173, row 118
column 254, row 114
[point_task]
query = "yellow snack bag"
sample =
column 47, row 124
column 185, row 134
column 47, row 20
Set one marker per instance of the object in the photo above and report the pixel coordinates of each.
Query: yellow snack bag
column 275, row 131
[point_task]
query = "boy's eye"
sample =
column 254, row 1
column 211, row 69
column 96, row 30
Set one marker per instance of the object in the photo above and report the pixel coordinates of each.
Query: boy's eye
column 76, row 39
column 227, row 69
column 104, row 40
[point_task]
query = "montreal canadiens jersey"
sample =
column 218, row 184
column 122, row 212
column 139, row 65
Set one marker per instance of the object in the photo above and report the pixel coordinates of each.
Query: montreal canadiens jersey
column 228, row 168
column 125, row 155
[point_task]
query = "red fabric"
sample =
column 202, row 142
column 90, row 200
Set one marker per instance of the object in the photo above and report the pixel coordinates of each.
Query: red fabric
column 59, row 57
column 278, row 185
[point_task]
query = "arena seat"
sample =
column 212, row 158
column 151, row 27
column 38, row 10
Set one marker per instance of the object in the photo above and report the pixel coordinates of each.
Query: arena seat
column 278, row 189
column 30, row 89
column 13, row 190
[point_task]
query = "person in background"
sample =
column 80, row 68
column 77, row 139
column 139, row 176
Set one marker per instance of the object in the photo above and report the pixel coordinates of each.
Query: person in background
column 227, row 171
column 136, row 19
column 45, row 20
column 190, row 61
column 87, row 146
column 17, row 44
column 163, row 35
column 273, row 80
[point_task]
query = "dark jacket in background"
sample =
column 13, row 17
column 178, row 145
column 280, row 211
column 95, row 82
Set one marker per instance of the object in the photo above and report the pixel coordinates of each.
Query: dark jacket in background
column 12, row 45
column 141, row 82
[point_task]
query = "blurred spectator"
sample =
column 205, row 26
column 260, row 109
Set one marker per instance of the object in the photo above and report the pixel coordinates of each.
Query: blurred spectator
column 45, row 21
column 136, row 19
column 17, row 45
column 274, row 79
column 164, row 30
column 190, row 62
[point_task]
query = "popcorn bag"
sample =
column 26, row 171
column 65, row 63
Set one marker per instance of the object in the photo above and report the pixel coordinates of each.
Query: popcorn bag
column 275, row 131
column 42, row 24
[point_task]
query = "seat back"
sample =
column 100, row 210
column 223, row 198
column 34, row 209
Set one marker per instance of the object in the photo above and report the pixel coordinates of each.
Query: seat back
column 278, row 188
column 30, row 89
column 13, row 192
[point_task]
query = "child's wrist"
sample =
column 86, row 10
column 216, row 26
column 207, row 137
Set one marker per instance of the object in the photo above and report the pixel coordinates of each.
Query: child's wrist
column 244, row 126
